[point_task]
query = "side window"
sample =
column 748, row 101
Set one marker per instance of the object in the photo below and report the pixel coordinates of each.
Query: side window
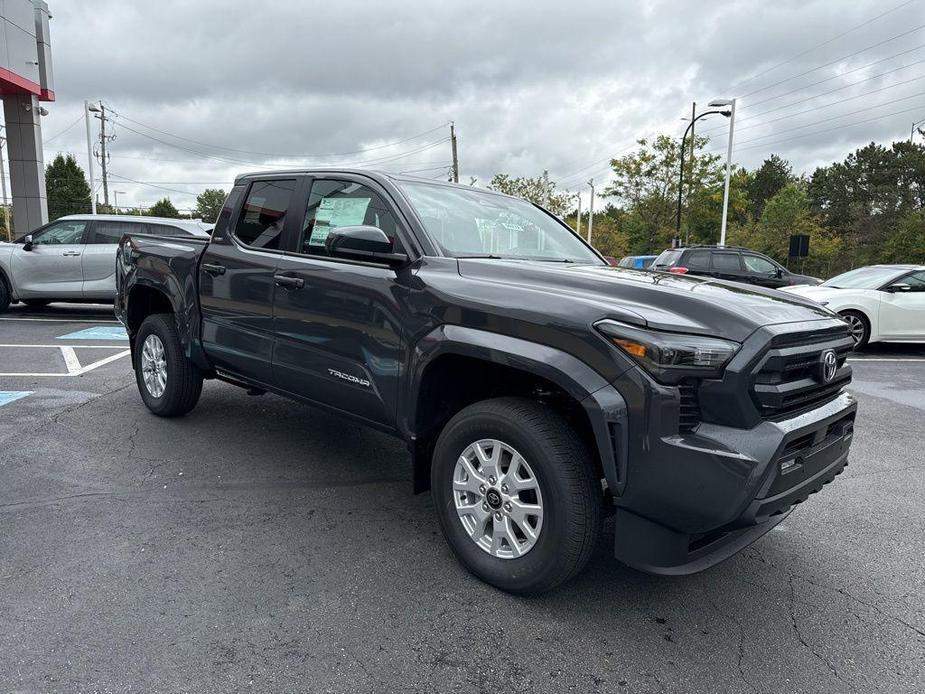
column 727, row 262
column 111, row 232
column 916, row 280
column 334, row 204
column 698, row 260
column 263, row 214
column 60, row 233
column 165, row 230
column 754, row 263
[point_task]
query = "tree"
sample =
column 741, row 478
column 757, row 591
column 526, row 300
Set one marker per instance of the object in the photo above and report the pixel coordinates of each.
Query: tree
column 906, row 244
column 540, row 190
column 66, row 187
column 209, row 203
column 163, row 208
column 766, row 182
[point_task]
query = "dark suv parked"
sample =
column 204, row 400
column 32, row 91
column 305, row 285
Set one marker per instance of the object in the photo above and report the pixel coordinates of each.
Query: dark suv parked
column 729, row 263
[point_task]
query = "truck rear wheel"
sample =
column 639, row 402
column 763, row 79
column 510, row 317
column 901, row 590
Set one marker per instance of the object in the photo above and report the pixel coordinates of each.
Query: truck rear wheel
column 169, row 383
column 516, row 494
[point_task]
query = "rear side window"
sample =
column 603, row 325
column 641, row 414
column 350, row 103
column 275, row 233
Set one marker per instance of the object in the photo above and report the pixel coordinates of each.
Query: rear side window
column 111, row 232
column 166, row 230
column 263, row 214
column 729, row 262
column 667, row 259
column 698, row 260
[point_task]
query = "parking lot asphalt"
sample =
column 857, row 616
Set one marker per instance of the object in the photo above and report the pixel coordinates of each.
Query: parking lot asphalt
column 261, row 545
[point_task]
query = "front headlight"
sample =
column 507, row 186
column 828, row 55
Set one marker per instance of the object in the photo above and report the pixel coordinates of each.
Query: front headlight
column 669, row 357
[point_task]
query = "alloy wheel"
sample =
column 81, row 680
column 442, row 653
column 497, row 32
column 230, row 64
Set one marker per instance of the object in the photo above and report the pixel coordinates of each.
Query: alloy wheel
column 498, row 499
column 154, row 366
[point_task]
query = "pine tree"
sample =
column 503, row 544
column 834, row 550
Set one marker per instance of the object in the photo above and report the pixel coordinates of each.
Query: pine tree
column 67, row 188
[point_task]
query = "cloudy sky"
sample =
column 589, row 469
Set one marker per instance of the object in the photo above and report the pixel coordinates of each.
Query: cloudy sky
column 203, row 90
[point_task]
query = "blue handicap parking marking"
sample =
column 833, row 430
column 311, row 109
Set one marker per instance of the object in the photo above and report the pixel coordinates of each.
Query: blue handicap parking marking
column 8, row 396
column 99, row 332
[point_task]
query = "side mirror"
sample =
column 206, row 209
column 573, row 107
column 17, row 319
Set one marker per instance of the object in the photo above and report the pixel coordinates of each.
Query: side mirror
column 778, row 273
column 899, row 287
column 27, row 242
column 363, row 242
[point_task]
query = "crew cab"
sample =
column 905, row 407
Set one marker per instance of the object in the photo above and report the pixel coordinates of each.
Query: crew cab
column 537, row 387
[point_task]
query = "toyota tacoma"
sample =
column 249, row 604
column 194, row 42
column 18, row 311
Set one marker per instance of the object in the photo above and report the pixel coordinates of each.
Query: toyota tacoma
column 537, row 388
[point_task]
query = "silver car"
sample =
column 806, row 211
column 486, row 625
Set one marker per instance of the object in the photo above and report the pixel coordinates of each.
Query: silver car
column 74, row 257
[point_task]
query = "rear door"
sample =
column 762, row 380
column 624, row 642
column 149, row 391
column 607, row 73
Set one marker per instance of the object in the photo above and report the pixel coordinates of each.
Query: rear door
column 337, row 321
column 236, row 277
column 727, row 265
column 99, row 257
column 52, row 268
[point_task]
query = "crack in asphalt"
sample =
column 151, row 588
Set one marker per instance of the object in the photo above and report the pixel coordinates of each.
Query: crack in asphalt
column 803, row 641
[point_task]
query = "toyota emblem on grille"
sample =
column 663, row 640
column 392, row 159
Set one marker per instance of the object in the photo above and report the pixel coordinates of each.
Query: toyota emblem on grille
column 828, row 365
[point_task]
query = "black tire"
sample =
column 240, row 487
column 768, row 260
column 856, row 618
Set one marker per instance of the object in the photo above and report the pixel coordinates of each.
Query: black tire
column 4, row 294
column 856, row 318
column 36, row 303
column 184, row 380
column 570, row 488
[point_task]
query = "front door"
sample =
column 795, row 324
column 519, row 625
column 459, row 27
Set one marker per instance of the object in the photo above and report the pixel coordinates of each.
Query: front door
column 236, row 279
column 336, row 321
column 51, row 269
column 902, row 313
column 99, row 257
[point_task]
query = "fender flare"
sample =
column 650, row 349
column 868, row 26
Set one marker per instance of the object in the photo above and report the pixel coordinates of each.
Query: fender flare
column 604, row 406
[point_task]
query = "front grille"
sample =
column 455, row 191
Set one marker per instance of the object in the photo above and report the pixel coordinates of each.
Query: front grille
column 788, row 381
column 689, row 414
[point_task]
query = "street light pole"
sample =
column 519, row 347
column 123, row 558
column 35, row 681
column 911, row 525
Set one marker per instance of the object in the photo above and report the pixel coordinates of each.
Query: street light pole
column 87, row 109
column 689, row 128
column 6, row 210
column 578, row 218
column 591, row 211
column 732, row 123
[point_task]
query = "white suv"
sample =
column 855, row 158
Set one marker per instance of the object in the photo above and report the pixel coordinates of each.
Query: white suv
column 74, row 257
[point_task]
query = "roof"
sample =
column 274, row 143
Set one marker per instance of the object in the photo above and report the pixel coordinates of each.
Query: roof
column 188, row 224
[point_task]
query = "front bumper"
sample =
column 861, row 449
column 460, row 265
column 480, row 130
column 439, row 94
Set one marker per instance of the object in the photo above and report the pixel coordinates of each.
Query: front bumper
column 692, row 500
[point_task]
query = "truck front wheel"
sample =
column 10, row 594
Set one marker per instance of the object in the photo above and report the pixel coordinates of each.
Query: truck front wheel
column 516, row 494
column 169, row 383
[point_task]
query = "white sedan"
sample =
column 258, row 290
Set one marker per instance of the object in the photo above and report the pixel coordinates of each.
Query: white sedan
column 881, row 303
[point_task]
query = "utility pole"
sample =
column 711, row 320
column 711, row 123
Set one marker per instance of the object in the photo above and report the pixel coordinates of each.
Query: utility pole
column 578, row 217
column 591, row 211
column 6, row 209
column 103, row 156
column 455, row 159
column 87, row 109
column 731, row 103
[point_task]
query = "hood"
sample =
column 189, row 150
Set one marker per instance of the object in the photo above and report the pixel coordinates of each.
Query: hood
column 814, row 292
column 678, row 303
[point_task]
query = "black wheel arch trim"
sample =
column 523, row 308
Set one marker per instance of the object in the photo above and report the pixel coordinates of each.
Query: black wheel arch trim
column 604, row 406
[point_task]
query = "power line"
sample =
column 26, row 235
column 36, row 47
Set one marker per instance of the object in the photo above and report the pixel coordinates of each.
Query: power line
column 838, row 60
column 284, row 156
column 60, row 133
column 826, row 42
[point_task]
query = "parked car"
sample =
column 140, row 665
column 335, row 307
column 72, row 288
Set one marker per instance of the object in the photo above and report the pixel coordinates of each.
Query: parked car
column 881, row 303
column 729, row 263
column 637, row 262
column 74, row 257
column 537, row 388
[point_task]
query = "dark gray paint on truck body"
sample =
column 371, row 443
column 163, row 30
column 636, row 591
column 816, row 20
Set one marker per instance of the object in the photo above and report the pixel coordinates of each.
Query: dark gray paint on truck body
column 359, row 337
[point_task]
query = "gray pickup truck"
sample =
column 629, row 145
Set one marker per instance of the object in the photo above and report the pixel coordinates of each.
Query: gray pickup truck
column 537, row 388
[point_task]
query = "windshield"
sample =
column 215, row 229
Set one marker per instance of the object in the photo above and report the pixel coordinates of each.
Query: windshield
column 864, row 278
column 467, row 223
column 667, row 259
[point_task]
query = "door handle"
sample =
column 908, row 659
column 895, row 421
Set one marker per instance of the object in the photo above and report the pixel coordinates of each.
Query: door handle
column 71, row 253
column 288, row 282
column 214, row 270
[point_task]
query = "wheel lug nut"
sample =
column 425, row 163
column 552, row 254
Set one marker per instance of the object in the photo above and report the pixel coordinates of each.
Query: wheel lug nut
column 507, row 506
column 484, row 507
column 482, row 488
column 504, row 488
column 492, row 479
column 498, row 516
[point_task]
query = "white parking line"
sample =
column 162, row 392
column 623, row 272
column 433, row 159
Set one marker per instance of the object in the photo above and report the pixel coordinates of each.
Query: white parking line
column 61, row 320
column 860, row 359
column 74, row 367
